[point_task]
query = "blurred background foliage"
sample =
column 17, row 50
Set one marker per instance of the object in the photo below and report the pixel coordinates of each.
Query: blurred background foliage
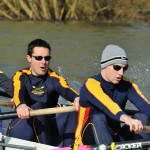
column 99, row 11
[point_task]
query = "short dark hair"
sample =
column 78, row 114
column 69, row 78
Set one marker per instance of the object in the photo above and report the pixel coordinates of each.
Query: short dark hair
column 37, row 43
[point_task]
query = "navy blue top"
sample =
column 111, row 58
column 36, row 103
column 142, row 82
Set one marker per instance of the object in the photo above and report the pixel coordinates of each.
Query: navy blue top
column 6, row 84
column 29, row 89
column 112, row 98
column 98, row 95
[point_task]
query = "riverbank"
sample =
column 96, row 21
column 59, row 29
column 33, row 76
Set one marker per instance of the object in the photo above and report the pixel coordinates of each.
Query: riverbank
column 110, row 12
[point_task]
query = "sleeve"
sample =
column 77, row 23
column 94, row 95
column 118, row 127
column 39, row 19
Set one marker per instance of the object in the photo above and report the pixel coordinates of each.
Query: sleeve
column 6, row 84
column 19, row 89
column 63, row 88
column 136, row 97
column 92, row 93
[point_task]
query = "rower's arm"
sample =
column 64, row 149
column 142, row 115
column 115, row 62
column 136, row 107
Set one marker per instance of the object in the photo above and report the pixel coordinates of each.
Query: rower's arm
column 6, row 84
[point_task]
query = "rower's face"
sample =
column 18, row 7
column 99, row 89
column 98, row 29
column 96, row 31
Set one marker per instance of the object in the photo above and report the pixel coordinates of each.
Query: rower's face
column 114, row 73
column 39, row 66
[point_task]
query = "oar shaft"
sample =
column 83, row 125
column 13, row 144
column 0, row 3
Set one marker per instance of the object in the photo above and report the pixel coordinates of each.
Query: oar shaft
column 146, row 129
column 55, row 110
column 6, row 103
column 128, row 145
column 38, row 112
column 8, row 115
column 46, row 111
column 17, row 146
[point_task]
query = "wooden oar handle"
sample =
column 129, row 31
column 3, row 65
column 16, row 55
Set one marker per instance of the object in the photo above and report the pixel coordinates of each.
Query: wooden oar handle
column 54, row 110
column 46, row 111
column 6, row 103
column 146, row 129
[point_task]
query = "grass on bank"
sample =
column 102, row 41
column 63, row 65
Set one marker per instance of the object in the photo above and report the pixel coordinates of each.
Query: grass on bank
column 102, row 11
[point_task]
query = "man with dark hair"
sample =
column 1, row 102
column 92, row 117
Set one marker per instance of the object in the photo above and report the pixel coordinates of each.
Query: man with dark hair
column 39, row 87
column 103, row 98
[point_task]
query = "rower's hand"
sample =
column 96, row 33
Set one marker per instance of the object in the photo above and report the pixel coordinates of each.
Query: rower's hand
column 23, row 111
column 134, row 124
column 76, row 103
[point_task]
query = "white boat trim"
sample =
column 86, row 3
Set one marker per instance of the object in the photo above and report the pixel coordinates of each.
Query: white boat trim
column 11, row 143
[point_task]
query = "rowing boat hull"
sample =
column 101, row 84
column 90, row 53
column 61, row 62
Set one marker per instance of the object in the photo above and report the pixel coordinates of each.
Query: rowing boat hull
column 12, row 143
column 9, row 142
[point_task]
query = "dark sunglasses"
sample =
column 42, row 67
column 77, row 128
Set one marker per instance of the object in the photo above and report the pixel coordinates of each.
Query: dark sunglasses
column 117, row 67
column 39, row 58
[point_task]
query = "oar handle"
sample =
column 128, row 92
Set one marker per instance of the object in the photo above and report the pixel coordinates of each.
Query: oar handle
column 6, row 103
column 38, row 112
column 55, row 110
column 146, row 129
column 47, row 111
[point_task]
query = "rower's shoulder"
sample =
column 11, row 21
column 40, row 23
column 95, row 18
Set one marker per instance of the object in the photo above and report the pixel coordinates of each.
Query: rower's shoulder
column 24, row 73
column 129, row 80
column 54, row 74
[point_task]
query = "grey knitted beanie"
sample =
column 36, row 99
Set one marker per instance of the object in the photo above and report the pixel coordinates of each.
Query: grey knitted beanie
column 113, row 54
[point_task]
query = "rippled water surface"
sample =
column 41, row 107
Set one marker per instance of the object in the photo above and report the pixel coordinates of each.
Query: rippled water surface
column 76, row 48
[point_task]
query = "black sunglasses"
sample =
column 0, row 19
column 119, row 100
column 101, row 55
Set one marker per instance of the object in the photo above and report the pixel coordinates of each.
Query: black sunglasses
column 39, row 58
column 117, row 67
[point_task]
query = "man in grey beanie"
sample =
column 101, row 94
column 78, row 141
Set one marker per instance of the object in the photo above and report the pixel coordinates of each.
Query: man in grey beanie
column 103, row 98
column 113, row 54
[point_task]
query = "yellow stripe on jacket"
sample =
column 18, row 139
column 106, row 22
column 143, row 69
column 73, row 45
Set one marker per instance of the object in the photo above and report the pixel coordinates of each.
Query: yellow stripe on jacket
column 17, row 85
column 61, row 80
column 103, row 98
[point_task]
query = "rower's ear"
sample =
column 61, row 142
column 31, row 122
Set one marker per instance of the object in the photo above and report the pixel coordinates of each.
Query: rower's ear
column 28, row 57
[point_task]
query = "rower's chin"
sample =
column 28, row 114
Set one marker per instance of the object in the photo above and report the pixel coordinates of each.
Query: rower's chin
column 116, row 82
column 41, row 73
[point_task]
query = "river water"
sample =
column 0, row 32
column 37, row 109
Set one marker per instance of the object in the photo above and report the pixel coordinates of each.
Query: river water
column 76, row 48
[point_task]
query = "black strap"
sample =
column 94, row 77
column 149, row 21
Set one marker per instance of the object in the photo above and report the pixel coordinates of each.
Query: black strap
column 122, row 58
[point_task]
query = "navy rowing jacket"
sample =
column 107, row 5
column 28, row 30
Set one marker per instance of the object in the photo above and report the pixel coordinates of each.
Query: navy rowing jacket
column 99, row 95
column 6, row 84
column 29, row 89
